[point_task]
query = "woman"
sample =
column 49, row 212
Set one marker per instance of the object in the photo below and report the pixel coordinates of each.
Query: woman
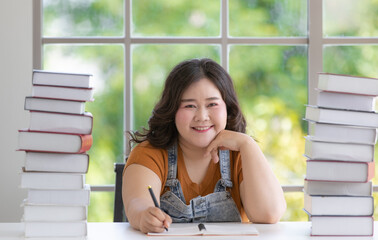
column 197, row 157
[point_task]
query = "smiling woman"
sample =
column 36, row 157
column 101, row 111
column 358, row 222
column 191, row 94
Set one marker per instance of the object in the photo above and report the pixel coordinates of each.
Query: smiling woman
column 201, row 116
column 208, row 170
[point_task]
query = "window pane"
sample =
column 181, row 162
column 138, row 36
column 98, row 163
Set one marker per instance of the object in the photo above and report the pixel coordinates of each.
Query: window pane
column 350, row 18
column 267, row 18
column 67, row 18
column 106, row 63
column 271, row 82
column 359, row 60
column 101, row 207
column 148, row 81
column 294, row 211
column 176, row 18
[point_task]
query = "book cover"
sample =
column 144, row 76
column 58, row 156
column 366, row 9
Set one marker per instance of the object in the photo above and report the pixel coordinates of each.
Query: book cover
column 56, row 229
column 339, row 151
column 54, row 105
column 348, row 84
column 326, row 132
column 338, row 171
column 38, row 141
column 339, row 205
column 342, row 225
column 344, row 117
column 54, row 213
column 48, row 180
column 56, row 162
column 61, row 122
column 65, row 197
column 338, row 188
column 63, row 93
column 345, row 101
column 42, row 77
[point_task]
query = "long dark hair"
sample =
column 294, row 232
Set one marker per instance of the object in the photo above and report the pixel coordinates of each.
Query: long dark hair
column 162, row 132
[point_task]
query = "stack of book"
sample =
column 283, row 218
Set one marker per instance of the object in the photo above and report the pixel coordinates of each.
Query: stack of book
column 340, row 156
column 55, row 145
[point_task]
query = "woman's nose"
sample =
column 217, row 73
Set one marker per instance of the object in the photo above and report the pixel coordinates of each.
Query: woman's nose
column 202, row 114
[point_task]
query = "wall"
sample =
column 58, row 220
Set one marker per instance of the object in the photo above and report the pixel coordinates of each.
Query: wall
column 15, row 78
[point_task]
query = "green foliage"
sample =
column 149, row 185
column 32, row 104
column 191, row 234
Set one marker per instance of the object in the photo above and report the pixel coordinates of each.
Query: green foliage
column 267, row 18
column 176, row 18
column 83, row 18
column 271, row 81
column 354, row 19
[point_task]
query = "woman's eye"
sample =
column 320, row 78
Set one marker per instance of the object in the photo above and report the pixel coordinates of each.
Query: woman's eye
column 212, row 104
column 190, row 106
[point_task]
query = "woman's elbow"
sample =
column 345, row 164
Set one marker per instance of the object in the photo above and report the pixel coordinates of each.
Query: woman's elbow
column 270, row 216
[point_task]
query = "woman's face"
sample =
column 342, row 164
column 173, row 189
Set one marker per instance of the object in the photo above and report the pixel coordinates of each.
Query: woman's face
column 202, row 114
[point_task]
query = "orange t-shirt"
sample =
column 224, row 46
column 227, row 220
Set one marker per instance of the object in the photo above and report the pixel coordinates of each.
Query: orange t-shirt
column 156, row 159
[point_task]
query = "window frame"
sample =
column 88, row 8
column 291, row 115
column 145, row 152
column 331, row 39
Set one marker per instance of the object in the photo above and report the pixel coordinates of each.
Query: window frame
column 314, row 41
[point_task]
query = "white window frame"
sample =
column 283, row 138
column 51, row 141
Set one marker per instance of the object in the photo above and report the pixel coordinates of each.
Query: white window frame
column 315, row 42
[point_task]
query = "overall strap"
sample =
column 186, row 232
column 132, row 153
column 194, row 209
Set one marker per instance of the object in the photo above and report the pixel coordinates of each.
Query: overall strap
column 172, row 181
column 225, row 169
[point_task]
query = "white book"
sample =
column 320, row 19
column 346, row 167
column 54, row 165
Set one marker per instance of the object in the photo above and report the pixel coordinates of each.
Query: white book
column 54, row 105
column 345, row 101
column 339, row 205
column 208, row 229
column 56, row 229
column 339, row 151
column 54, row 213
column 56, row 162
column 348, row 84
column 341, row 133
column 53, row 142
column 62, row 79
column 338, row 188
column 65, row 197
column 57, row 238
column 342, row 226
column 61, row 122
column 47, row 180
column 65, row 93
column 344, row 117
column 337, row 171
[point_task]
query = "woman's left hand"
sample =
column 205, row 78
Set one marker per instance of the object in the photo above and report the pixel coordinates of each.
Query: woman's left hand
column 227, row 139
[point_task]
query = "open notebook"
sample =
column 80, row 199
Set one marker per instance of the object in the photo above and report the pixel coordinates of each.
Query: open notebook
column 209, row 229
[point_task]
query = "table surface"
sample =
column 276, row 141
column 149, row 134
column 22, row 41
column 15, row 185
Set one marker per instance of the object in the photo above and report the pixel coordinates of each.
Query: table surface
column 115, row 231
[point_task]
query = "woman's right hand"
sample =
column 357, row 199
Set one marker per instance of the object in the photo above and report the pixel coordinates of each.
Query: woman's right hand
column 154, row 220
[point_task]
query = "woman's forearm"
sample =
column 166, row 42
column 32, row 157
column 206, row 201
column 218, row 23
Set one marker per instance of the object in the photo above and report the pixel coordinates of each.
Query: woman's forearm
column 261, row 192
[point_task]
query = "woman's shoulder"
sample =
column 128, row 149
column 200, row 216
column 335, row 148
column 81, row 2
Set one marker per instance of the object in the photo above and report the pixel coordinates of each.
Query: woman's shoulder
column 146, row 149
column 146, row 145
column 151, row 157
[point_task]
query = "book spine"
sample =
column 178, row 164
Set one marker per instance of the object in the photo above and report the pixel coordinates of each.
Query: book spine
column 86, row 142
column 371, row 171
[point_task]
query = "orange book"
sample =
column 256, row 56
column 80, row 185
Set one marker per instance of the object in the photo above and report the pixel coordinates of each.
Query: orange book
column 38, row 141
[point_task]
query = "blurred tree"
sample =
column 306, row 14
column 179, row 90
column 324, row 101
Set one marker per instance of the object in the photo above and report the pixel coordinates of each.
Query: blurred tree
column 271, row 81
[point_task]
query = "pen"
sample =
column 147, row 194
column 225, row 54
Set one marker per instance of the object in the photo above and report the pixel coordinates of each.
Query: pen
column 154, row 199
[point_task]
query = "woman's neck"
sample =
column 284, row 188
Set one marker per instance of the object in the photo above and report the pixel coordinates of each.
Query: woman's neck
column 193, row 153
column 196, row 163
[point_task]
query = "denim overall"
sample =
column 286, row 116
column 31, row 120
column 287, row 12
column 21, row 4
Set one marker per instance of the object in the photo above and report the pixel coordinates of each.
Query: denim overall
column 215, row 207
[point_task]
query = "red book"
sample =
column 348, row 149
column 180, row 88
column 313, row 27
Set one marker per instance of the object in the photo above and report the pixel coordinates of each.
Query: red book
column 38, row 141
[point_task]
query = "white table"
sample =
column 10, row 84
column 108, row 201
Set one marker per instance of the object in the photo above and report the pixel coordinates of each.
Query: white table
column 123, row 231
